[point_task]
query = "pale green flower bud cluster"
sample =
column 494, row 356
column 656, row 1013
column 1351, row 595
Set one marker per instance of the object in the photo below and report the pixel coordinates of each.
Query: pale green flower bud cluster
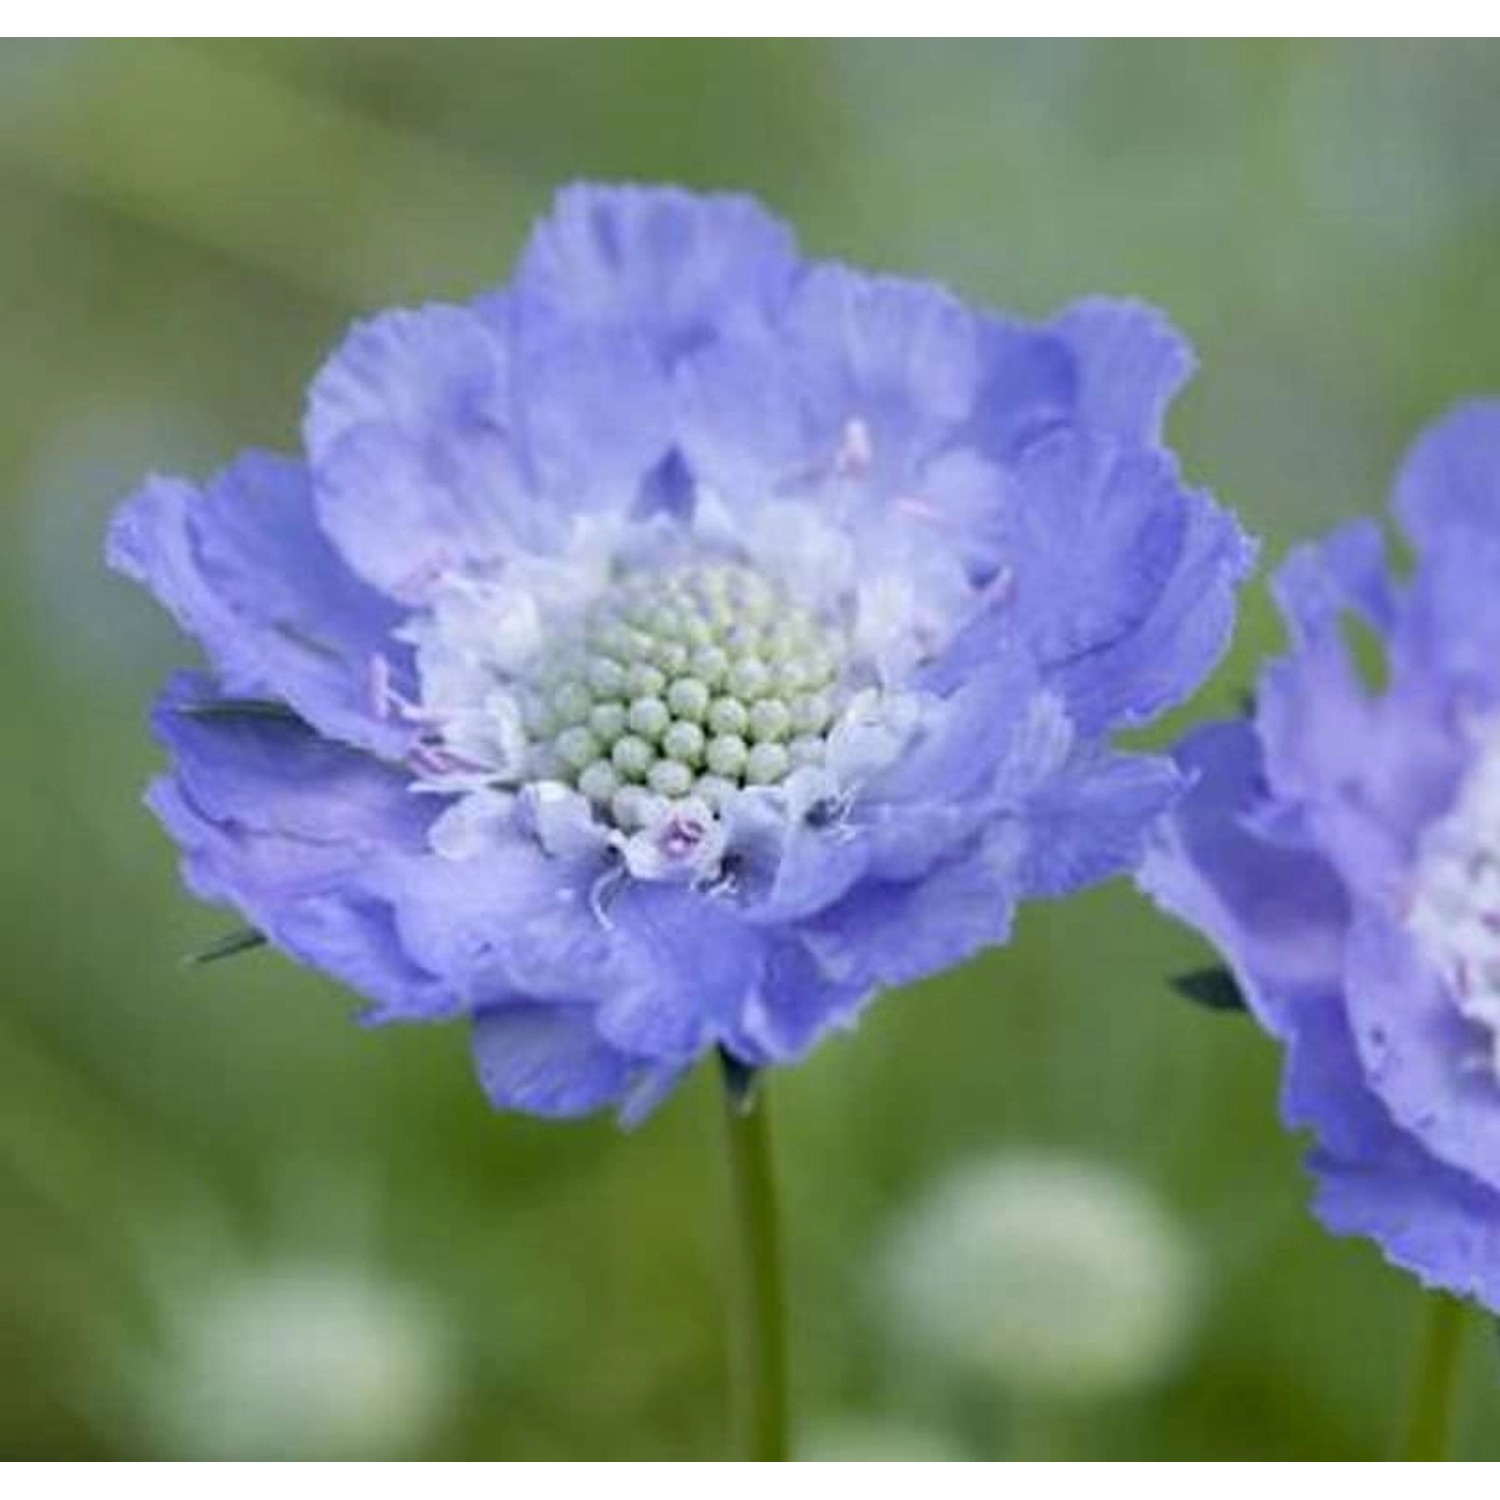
column 692, row 683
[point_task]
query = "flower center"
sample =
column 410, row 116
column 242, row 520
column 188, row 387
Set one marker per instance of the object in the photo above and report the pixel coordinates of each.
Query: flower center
column 691, row 683
column 1455, row 914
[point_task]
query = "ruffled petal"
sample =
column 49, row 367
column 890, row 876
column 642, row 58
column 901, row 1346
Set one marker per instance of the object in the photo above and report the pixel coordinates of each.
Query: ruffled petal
column 1345, row 572
column 417, row 372
column 1278, row 914
column 273, row 774
column 242, row 566
column 409, row 439
column 966, row 738
column 1028, row 387
column 752, row 423
column 689, row 966
column 1092, row 821
column 1451, row 631
column 510, row 924
column 982, row 754
column 547, row 1060
column 867, row 379
column 1122, row 581
column 891, row 933
column 1429, row 1066
column 1130, row 363
column 1447, row 498
column 1426, row 1218
column 678, row 269
column 594, row 418
column 1451, row 476
column 900, row 354
column 796, row 1005
column 285, row 827
column 1324, row 1088
column 794, row 868
column 308, row 901
column 1368, row 772
column 1374, row 1179
column 1106, row 368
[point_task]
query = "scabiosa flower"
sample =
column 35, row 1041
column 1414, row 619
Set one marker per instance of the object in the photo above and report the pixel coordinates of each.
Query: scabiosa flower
column 672, row 649
column 1342, row 848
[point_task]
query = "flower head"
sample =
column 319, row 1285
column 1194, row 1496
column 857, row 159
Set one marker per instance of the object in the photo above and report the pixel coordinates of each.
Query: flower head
column 679, row 645
column 1342, row 848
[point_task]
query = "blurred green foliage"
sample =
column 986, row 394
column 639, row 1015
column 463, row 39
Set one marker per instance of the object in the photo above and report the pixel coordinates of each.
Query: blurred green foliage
column 187, row 231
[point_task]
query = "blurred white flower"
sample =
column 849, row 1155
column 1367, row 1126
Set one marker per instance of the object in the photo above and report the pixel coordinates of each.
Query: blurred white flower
column 297, row 1360
column 1045, row 1274
column 877, row 1440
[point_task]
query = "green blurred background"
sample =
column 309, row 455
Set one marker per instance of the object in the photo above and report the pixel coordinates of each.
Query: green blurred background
column 233, row 1223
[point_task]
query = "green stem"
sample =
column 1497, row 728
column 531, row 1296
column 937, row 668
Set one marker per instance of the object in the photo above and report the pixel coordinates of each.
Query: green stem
column 760, row 1380
column 1430, row 1421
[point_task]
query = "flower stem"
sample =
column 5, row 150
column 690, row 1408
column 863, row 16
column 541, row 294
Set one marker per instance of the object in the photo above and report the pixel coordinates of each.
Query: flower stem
column 760, row 1380
column 1430, row 1420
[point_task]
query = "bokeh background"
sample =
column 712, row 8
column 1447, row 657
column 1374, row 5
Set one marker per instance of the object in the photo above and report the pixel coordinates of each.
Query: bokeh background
column 234, row 1224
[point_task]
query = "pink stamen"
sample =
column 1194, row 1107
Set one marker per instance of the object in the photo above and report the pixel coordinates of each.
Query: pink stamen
column 681, row 836
column 385, row 700
column 920, row 509
column 439, row 760
column 382, row 697
column 415, row 585
column 856, row 451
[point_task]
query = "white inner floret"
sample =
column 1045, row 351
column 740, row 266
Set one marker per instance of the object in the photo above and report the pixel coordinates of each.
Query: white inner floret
column 1455, row 910
column 591, row 704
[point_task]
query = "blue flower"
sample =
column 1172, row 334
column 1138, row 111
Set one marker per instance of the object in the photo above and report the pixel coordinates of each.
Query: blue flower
column 1343, row 851
column 676, row 647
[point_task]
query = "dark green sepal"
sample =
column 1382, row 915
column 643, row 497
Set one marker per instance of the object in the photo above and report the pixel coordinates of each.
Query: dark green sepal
column 1214, row 988
column 740, row 1079
column 241, row 940
column 239, row 708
